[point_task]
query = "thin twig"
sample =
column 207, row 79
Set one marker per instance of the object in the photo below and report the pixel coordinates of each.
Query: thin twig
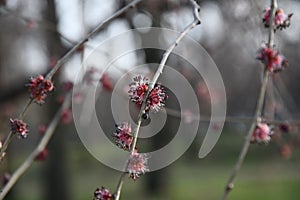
column 258, row 111
column 63, row 59
column 40, row 147
column 10, row 135
column 243, row 153
column 151, row 86
column 47, row 25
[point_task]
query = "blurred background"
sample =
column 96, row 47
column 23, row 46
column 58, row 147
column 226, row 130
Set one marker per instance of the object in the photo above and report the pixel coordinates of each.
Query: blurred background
column 34, row 34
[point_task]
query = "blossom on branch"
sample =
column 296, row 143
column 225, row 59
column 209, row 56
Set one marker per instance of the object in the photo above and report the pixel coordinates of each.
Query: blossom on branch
column 19, row 127
column 102, row 194
column 39, row 87
column 281, row 20
column 262, row 133
column 272, row 59
column 137, row 165
column 139, row 89
column 123, row 136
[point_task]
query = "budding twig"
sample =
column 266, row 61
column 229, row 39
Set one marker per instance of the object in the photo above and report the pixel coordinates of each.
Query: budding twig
column 63, row 59
column 152, row 84
column 10, row 135
column 41, row 146
column 258, row 110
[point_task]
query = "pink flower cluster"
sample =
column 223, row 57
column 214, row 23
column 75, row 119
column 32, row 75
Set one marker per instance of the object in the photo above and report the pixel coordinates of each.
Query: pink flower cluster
column 123, row 136
column 19, row 127
column 137, row 165
column 272, row 59
column 262, row 133
column 39, row 87
column 103, row 194
column 281, row 20
column 137, row 161
column 139, row 89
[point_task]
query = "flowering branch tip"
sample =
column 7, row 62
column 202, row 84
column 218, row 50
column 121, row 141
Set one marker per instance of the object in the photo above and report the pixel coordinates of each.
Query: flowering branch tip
column 39, row 87
column 19, row 128
column 281, row 19
column 139, row 89
column 137, row 165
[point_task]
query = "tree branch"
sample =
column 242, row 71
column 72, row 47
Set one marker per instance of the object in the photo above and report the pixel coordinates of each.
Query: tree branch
column 62, row 60
column 89, row 36
column 152, row 84
column 41, row 146
column 258, row 111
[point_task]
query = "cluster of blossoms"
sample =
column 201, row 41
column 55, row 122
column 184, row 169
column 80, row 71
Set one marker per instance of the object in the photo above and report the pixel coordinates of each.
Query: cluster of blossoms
column 103, row 194
column 272, row 59
column 137, row 165
column 123, row 136
column 262, row 133
column 281, row 20
column 137, row 162
column 19, row 127
column 139, row 89
column 39, row 87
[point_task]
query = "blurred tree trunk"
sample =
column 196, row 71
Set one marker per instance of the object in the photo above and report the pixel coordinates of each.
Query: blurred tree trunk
column 57, row 184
